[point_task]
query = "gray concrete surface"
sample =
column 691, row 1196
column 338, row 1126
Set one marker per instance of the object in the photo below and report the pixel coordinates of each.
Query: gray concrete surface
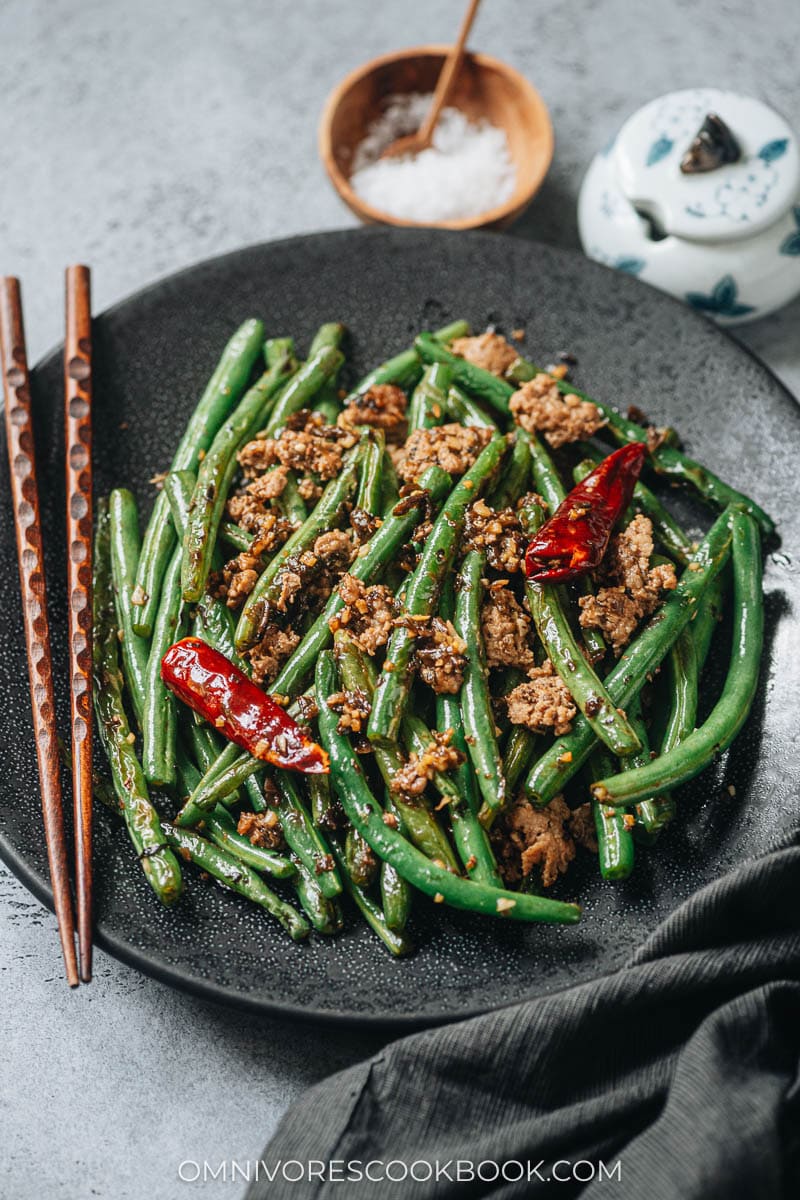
column 140, row 138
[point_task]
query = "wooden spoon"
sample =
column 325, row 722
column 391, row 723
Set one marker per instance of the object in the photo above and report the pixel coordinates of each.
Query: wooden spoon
column 413, row 143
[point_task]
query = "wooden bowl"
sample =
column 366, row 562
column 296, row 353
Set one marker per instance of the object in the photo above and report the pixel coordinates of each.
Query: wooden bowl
column 486, row 88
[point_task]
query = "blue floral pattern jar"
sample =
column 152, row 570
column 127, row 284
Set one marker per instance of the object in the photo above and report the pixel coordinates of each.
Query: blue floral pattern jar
column 724, row 237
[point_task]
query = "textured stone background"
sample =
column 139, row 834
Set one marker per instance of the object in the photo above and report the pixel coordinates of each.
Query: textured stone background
column 140, row 138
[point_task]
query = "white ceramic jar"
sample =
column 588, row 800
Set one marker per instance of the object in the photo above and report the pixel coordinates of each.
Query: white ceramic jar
column 726, row 240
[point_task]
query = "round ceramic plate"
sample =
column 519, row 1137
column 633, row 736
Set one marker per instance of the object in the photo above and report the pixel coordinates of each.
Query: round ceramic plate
column 153, row 354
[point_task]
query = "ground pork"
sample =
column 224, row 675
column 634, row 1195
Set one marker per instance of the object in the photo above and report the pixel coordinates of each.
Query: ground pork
column 542, row 703
column 305, row 443
column 439, row 653
column 271, row 652
column 634, row 588
column 413, row 777
column 313, row 573
column 498, row 533
column 539, row 407
column 256, row 457
column 354, row 708
column 236, row 580
column 581, row 826
column 383, row 406
column 505, row 627
column 364, row 523
column 270, row 485
column 261, row 829
column 454, row 448
column 526, row 837
column 489, row 351
column 269, row 529
column 367, row 614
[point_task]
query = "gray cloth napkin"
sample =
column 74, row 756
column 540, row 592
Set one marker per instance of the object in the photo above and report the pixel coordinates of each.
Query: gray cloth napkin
column 680, row 1073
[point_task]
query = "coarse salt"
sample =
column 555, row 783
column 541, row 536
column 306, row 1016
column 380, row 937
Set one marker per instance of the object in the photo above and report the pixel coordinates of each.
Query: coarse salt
column 467, row 171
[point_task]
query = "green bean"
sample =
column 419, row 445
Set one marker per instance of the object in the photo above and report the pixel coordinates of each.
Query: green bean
column 237, row 876
column 159, row 715
column 429, row 401
column 476, row 703
column 306, row 841
column 326, row 514
column 278, row 348
column 422, row 591
column 615, row 849
column 479, row 383
column 361, row 863
column 291, row 502
column 332, row 333
column 216, row 786
column 463, row 409
column 358, row 672
column 368, row 496
column 324, row 914
column 366, row 815
column 144, row 827
column 665, row 459
column 654, row 812
column 303, row 387
column 213, row 620
column 221, row 828
column 215, row 475
column 707, row 619
column 404, row 369
column 694, row 753
column 518, row 757
column 555, row 633
column 201, row 738
column 515, row 477
column 677, row 543
column 124, row 534
column 235, row 536
column 395, row 898
column 472, row 843
column 641, row 658
column 222, row 393
column 394, row 939
column 375, row 556
column 327, row 400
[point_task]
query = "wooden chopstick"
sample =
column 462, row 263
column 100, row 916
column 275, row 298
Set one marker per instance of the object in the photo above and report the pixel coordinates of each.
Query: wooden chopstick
column 25, row 495
column 78, row 450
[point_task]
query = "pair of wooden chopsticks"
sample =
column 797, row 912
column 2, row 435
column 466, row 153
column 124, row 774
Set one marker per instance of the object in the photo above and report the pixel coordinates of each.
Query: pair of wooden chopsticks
column 25, row 495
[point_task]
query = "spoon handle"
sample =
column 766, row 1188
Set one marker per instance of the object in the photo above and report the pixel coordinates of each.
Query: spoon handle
column 448, row 75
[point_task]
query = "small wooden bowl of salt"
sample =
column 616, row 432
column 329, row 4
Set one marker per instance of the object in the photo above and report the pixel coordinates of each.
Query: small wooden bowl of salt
column 491, row 150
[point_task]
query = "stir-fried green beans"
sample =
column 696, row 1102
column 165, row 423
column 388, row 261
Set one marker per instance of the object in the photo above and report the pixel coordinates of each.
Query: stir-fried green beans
column 323, row 518
column 214, row 477
column 666, row 459
column 222, row 393
column 124, row 536
column 429, row 401
column 694, row 752
column 144, row 827
column 567, row 754
column 555, row 633
column 421, row 593
column 377, row 554
column 366, row 816
column 417, row 774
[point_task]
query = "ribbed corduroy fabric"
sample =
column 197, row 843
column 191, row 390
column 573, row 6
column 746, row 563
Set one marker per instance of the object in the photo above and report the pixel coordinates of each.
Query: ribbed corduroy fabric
column 683, row 1068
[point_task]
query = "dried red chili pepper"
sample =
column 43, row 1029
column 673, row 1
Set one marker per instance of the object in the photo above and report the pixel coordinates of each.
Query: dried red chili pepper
column 210, row 684
column 576, row 537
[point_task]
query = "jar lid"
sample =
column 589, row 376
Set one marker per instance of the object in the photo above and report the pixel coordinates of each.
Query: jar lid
column 733, row 200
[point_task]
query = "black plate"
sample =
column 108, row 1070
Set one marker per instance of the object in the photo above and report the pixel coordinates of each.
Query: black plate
column 153, row 355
